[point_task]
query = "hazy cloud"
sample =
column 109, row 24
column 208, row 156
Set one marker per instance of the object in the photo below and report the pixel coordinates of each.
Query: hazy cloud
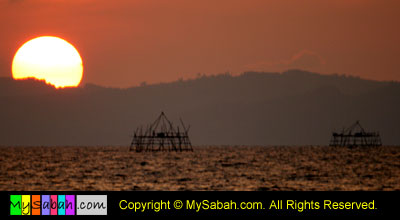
column 304, row 59
column 15, row 1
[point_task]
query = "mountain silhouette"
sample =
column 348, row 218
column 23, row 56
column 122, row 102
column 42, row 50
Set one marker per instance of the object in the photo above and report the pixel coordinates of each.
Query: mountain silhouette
column 290, row 108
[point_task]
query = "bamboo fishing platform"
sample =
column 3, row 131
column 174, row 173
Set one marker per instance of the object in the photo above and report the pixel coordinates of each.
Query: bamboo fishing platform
column 161, row 135
column 355, row 136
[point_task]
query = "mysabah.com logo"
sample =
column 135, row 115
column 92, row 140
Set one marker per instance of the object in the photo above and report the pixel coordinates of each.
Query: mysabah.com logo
column 58, row 204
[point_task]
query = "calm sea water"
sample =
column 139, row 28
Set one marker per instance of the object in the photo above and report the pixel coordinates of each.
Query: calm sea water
column 207, row 168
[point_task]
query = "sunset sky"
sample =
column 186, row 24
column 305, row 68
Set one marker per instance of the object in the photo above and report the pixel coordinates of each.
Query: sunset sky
column 126, row 42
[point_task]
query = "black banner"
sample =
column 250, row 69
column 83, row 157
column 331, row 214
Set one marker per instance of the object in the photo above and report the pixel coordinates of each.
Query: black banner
column 199, row 203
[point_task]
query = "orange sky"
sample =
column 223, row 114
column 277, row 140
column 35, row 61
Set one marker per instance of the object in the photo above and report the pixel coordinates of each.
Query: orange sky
column 126, row 42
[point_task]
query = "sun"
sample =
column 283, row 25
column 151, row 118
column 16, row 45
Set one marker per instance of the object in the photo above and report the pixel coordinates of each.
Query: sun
column 51, row 59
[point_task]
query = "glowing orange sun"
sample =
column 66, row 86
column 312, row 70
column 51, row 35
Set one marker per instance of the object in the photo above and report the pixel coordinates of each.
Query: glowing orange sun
column 51, row 59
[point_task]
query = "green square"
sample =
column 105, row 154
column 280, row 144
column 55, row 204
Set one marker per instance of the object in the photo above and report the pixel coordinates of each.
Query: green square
column 15, row 205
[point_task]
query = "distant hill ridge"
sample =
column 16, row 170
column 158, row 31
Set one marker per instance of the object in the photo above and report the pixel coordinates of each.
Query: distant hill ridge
column 290, row 108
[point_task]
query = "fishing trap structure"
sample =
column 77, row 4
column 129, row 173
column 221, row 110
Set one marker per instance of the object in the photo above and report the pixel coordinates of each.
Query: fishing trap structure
column 355, row 136
column 161, row 135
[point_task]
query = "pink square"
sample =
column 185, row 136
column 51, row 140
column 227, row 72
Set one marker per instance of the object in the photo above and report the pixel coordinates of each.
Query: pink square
column 53, row 205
